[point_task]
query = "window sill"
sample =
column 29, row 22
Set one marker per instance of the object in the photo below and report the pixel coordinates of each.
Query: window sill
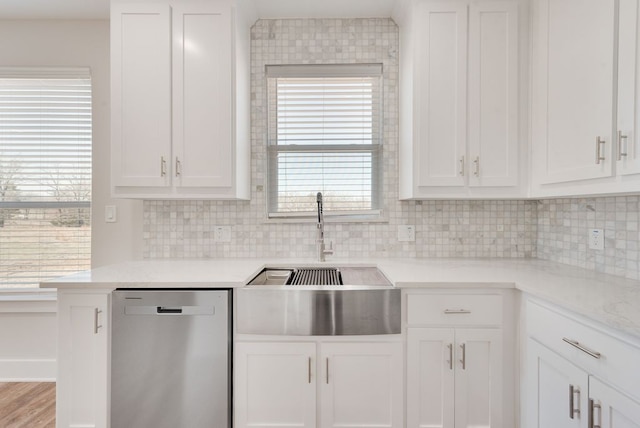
column 27, row 295
column 327, row 220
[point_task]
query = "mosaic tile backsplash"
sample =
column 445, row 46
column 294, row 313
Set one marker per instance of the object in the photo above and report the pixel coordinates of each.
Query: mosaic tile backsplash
column 563, row 225
column 184, row 229
column 549, row 229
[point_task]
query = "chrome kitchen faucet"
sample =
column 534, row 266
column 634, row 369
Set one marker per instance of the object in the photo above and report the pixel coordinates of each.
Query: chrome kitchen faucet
column 322, row 251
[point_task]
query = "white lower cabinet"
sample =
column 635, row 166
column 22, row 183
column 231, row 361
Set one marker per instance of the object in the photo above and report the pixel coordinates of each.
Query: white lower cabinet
column 560, row 389
column 361, row 385
column 460, row 352
column 610, row 408
column 577, row 375
column 454, row 378
column 564, row 395
column 83, row 360
column 275, row 384
column 325, row 384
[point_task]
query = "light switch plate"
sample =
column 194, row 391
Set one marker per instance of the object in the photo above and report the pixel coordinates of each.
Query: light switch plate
column 110, row 214
column 221, row 233
column 596, row 239
column 406, row 233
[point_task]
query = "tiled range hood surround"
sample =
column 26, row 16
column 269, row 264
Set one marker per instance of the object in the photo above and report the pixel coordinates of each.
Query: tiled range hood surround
column 549, row 229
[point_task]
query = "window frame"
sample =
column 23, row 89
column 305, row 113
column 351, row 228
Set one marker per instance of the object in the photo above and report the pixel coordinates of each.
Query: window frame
column 376, row 148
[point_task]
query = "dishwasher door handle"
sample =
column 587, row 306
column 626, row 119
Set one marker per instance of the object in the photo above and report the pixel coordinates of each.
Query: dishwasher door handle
column 165, row 310
column 134, row 310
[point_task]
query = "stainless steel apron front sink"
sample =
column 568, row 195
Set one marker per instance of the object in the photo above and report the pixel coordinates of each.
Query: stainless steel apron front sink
column 367, row 304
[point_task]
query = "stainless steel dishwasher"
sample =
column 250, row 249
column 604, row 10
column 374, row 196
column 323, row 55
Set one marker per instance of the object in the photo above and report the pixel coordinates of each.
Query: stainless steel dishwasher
column 171, row 359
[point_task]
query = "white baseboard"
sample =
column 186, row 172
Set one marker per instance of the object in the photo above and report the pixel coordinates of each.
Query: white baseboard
column 27, row 370
column 28, row 333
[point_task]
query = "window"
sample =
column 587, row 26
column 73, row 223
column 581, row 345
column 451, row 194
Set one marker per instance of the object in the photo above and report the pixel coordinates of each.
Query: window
column 324, row 135
column 45, row 174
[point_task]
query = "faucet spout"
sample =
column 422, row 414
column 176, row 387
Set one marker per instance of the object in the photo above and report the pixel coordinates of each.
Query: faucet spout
column 322, row 251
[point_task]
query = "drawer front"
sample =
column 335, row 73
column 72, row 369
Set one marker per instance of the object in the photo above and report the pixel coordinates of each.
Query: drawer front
column 454, row 309
column 591, row 347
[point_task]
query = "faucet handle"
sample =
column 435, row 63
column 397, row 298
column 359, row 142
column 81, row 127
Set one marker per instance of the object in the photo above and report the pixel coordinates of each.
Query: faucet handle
column 330, row 250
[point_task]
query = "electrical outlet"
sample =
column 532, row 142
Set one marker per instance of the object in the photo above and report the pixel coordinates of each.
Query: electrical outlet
column 596, row 239
column 406, row 233
column 222, row 234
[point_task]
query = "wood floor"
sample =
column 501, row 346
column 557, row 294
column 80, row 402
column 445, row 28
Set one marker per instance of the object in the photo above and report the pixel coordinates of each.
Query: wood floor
column 28, row 405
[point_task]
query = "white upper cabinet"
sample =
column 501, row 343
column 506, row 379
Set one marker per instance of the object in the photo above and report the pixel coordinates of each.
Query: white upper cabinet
column 459, row 106
column 573, row 88
column 493, row 94
column 203, row 96
column 584, row 111
column 180, row 100
column 141, row 94
column 628, row 138
column 440, row 92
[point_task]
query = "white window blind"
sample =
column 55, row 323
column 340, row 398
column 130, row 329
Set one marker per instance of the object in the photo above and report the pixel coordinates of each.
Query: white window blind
column 324, row 136
column 45, row 174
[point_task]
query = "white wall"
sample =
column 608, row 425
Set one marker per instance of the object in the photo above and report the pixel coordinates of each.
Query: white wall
column 27, row 328
column 82, row 43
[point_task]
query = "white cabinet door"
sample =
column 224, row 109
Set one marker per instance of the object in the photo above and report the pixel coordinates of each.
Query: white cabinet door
column 83, row 365
column 361, row 385
column 202, row 95
column 180, row 100
column 478, row 378
column 430, row 377
column 440, row 94
column 493, row 94
column 616, row 410
column 558, row 390
column 572, row 92
column 628, row 139
column 464, row 91
column 275, row 385
column 141, row 94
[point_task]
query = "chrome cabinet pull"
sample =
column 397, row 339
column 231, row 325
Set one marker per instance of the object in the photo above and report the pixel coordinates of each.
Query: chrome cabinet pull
column 456, row 311
column 477, row 166
column 327, row 371
column 591, row 419
column 96, row 325
column 309, row 369
column 178, row 167
column 620, row 138
column 572, row 407
column 163, row 166
column 583, row 348
column 450, row 346
column 464, row 356
column 599, row 156
column 462, row 166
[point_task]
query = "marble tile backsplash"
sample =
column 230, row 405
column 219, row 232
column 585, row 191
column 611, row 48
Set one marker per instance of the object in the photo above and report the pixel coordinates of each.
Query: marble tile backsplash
column 548, row 229
column 184, row 229
column 563, row 225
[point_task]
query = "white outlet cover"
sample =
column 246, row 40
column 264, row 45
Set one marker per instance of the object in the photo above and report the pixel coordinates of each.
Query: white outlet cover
column 406, row 233
column 222, row 234
column 596, row 239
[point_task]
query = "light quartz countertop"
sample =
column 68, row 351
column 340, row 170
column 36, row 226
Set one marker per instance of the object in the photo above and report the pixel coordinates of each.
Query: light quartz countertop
column 612, row 300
